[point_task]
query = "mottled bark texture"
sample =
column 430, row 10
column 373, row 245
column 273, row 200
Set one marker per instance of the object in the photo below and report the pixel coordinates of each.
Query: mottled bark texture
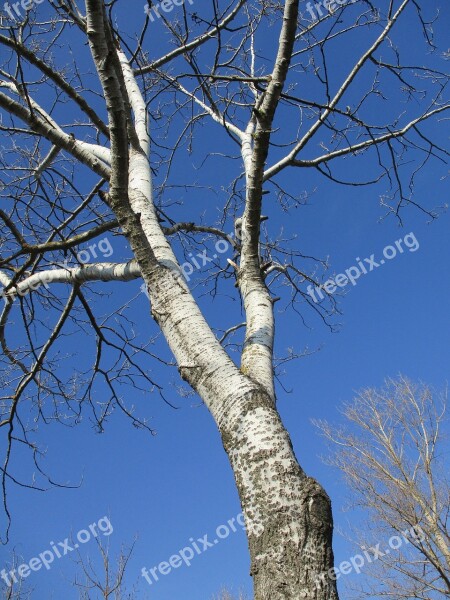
column 288, row 514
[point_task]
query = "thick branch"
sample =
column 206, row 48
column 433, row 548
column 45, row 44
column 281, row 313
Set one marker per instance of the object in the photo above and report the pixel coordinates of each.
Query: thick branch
column 31, row 57
column 96, row 272
column 56, row 136
column 257, row 356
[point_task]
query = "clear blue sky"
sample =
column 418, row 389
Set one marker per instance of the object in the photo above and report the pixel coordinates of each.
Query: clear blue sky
column 178, row 485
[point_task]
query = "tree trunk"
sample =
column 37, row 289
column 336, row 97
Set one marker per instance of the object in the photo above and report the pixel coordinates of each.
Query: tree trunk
column 288, row 515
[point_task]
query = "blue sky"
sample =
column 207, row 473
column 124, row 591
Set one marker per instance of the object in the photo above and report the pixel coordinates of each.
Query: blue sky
column 177, row 485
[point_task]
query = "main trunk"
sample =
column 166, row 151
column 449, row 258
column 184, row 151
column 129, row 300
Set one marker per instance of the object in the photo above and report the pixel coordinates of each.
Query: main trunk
column 288, row 515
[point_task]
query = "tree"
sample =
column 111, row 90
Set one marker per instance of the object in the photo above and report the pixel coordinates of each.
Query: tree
column 394, row 460
column 110, row 584
column 91, row 585
column 14, row 590
column 68, row 184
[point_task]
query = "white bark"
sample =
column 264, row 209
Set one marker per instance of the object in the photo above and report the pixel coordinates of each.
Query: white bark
column 99, row 152
column 94, row 150
column 55, row 135
column 96, row 272
column 257, row 356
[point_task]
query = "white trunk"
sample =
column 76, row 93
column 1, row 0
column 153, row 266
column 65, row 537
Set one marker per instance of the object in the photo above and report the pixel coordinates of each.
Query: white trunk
column 288, row 514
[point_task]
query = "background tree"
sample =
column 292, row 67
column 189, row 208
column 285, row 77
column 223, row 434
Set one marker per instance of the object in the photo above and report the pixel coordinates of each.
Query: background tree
column 394, row 455
column 106, row 583
column 78, row 166
column 18, row 590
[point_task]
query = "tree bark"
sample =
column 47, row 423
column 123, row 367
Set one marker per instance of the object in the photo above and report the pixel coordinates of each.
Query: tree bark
column 288, row 514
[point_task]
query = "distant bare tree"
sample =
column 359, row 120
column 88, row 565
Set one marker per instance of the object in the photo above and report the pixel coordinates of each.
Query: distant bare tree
column 108, row 584
column 395, row 457
column 94, row 583
column 14, row 588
